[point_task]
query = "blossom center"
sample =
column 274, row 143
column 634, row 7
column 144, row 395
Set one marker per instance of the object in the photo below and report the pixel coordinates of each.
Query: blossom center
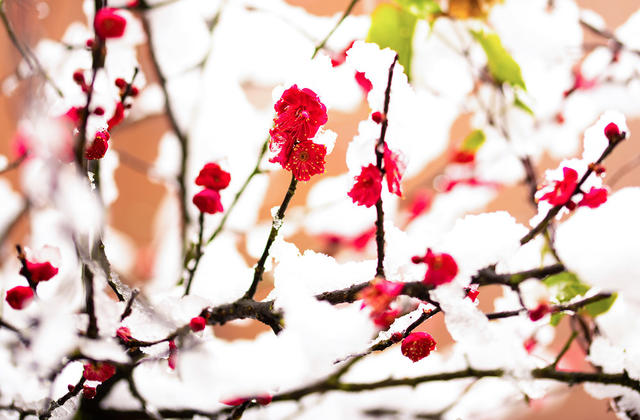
column 437, row 262
column 303, row 156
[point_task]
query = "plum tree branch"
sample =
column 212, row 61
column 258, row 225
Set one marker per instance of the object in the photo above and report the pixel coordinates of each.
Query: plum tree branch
column 556, row 209
column 379, row 151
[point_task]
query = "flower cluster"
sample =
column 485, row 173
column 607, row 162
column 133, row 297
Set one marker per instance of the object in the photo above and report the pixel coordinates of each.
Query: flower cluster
column 35, row 272
column 564, row 189
column 108, row 23
column 368, row 184
column 299, row 115
column 213, row 178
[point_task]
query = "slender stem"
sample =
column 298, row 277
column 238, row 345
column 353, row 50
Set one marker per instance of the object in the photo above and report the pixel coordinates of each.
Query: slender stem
column 62, row 400
column 488, row 275
column 325, row 386
column 100, row 256
column 173, row 122
column 30, row 58
column 564, row 350
column 21, row 337
column 607, row 34
column 379, row 151
column 24, row 271
column 127, row 309
column 238, row 411
column 137, row 395
column 572, row 378
column 557, row 308
column 346, row 13
column 531, row 178
column 198, row 256
column 275, row 227
column 87, row 278
column 256, row 171
column 13, row 165
column 623, row 170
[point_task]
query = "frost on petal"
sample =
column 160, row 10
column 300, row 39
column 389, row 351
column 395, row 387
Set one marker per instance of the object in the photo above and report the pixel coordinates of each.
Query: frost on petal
column 606, row 234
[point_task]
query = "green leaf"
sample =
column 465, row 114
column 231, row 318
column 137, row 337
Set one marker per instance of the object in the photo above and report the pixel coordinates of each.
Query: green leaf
column 565, row 286
column 502, row 66
column 598, row 308
column 422, row 9
column 474, row 141
column 393, row 27
column 518, row 103
column 556, row 318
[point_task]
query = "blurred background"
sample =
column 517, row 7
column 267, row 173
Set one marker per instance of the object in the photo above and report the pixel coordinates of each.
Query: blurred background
column 133, row 212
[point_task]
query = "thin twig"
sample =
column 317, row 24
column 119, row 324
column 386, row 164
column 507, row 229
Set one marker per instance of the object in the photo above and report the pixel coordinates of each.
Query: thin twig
column 623, row 170
column 223, row 221
column 488, row 275
column 256, row 171
column 556, row 209
column 24, row 271
column 28, row 56
column 14, row 164
column 346, row 13
column 173, row 122
column 573, row 307
column 62, row 400
column 127, row 309
column 379, row 151
column 384, row 344
column 275, row 227
column 609, row 35
column 198, row 255
column 87, row 278
column 564, row 350
column 21, row 336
